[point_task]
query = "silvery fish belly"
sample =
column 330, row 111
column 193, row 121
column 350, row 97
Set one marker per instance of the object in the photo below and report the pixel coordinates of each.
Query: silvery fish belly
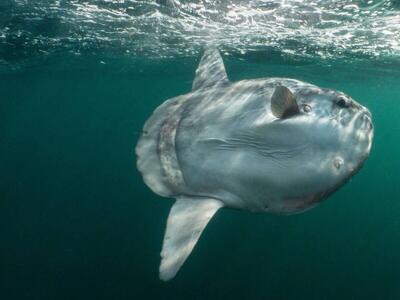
column 273, row 145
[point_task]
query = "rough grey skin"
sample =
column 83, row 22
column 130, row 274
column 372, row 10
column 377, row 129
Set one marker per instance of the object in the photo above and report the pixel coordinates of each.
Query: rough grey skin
column 273, row 145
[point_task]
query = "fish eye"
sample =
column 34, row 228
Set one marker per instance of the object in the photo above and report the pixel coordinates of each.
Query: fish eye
column 307, row 108
column 342, row 102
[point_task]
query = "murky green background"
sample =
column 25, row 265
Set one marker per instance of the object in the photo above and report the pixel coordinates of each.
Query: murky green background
column 77, row 221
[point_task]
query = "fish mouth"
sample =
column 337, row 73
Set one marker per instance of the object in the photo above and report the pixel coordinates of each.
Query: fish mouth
column 365, row 116
column 364, row 131
column 367, row 125
column 362, row 122
column 368, row 120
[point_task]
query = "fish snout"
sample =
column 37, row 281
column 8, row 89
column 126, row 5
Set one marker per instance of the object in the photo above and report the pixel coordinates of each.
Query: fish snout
column 367, row 118
column 364, row 132
column 364, row 117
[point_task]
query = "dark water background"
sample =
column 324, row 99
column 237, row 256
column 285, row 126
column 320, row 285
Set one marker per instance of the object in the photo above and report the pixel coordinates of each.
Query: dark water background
column 77, row 221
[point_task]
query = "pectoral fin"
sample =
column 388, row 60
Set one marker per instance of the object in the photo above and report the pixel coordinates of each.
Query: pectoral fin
column 283, row 103
column 186, row 221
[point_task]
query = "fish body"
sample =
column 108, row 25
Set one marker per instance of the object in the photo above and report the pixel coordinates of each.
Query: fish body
column 275, row 145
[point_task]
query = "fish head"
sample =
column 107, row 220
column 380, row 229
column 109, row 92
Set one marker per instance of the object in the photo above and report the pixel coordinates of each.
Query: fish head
column 338, row 128
column 330, row 135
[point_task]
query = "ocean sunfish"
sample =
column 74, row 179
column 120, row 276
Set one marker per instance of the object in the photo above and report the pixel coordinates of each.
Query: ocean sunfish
column 273, row 145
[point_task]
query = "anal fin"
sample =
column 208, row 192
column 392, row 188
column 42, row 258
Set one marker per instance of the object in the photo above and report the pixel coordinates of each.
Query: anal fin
column 186, row 221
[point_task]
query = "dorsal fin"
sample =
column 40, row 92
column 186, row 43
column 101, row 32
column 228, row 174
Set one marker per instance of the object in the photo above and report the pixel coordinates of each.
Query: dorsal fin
column 283, row 103
column 211, row 70
column 186, row 221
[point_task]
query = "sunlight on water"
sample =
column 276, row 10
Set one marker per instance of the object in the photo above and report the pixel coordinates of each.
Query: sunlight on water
column 169, row 28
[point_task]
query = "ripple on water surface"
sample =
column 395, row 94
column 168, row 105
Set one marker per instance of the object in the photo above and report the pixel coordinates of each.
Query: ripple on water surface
column 170, row 28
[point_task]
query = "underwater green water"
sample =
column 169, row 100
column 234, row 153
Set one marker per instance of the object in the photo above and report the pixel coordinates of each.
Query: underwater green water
column 77, row 221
